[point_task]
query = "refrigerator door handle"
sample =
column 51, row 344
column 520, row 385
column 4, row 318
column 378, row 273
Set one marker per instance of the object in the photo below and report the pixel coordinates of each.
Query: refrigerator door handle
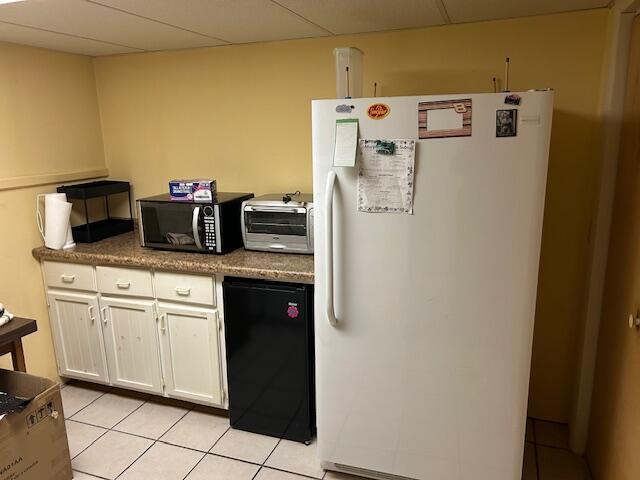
column 328, row 241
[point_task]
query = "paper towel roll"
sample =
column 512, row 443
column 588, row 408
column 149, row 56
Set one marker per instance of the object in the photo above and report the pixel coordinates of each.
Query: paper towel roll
column 69, row 243
column 56, row 222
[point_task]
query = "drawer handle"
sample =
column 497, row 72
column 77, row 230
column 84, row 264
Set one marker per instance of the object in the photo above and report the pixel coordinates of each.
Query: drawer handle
column 103, row 311
column 91, row 316
column 67, row 278
column 183, row 291
column 123, row 285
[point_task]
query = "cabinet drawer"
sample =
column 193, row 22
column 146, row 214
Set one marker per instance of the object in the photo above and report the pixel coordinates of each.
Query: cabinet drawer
column 180, row 287
column 69, row 275
column 124, row 281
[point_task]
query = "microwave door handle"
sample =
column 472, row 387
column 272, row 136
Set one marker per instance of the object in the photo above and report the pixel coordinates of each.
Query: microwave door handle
column 194, row 227
column 274, row 209
column 328, row 242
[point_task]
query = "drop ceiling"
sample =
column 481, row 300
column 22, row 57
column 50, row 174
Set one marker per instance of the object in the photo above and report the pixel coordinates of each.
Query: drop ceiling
column 107, row 27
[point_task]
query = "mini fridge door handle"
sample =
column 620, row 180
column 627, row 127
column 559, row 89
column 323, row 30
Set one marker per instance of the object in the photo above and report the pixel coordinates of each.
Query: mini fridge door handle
column 328, row 241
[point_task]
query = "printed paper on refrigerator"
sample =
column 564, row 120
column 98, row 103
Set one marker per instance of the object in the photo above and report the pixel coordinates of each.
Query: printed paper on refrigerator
column 385, row 181
column 344, row 154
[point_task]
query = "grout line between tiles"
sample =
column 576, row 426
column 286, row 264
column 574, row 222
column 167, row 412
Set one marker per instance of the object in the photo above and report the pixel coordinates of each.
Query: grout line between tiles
column 294, row 473
column 535, row 437
column 128, row 415
column 90, row 474
column 138, row 458
column 149, row 438
column 535, row 459
column 589, row 472
column 87, row 405
column 185, row 447
column 236, row 459
column 555, row 447
column 85, row 448
column 204, row 455
column 175, row 423
column 535, row 446
column 533, row 428
column 257, row 472
column 547, row 421
column 272, row 450
column 85, row 423
column 112, row 427
column 220, row 438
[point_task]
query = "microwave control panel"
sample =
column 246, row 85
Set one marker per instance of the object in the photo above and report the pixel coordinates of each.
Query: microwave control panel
column 209, row 228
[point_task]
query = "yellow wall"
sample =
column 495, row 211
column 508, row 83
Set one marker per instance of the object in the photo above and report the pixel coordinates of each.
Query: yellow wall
column 49, row 123
column 614, row 433
column 241, row 114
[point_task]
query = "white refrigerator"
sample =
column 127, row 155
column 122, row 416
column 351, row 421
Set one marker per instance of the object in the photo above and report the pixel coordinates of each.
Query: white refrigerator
column 424, row 371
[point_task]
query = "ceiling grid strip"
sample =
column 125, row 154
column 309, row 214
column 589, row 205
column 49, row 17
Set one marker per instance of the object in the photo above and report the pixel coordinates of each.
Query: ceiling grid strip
column 443, row 11
column 96, row 2
column 303, row 18
column 105, row 42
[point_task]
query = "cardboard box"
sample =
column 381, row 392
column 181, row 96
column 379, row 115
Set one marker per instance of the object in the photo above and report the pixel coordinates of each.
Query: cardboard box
column 192, row 190
column 33, row 442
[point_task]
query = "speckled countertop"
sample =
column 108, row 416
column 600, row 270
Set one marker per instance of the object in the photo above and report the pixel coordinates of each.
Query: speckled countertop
column 125, row 250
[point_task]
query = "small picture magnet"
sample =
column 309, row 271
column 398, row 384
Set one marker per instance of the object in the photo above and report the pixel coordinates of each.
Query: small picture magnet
column 512, row 99
column 506, row 123
column 344, row 108
column 444, row 118
column 384, row 147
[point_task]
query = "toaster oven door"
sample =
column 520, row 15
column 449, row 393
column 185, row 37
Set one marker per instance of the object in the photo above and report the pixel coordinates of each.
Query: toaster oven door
column 279, row 221
column 172, row 226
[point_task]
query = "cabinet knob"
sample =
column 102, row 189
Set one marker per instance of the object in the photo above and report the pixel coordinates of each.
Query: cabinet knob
column 634, row 321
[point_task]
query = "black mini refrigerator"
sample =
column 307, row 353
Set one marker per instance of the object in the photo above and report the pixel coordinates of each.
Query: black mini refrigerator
column 270, row 360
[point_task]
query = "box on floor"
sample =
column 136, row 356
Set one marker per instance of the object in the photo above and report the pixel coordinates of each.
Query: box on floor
column 33, row 442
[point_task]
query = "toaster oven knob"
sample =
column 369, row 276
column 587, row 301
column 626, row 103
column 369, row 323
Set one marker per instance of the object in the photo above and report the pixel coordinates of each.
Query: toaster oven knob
column 208, row 211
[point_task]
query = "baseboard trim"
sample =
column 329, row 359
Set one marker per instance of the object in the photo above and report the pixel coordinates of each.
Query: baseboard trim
column 25, row 181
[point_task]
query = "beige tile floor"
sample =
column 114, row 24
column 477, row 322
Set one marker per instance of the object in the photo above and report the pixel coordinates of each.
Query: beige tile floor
column 114, row 434
column 547, row 455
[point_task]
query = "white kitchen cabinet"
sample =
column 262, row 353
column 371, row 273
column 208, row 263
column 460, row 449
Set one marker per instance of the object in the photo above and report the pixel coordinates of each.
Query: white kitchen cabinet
column 190, row 343
column 155, row 332
column 131, row 343
column 77, row 335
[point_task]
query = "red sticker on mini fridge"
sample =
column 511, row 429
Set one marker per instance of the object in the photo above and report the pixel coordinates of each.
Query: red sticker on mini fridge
column 293, row 311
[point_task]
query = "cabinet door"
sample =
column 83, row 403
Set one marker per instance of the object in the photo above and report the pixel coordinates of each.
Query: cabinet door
column 189, row 337
column 77, row 336
column 131, row 343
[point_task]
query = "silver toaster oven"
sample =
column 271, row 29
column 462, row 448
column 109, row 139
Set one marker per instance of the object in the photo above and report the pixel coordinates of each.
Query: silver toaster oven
column 272, row 224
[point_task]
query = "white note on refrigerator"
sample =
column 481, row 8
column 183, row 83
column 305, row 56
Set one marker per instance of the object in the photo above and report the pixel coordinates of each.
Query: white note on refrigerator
column 385, row 181
column 344, row 154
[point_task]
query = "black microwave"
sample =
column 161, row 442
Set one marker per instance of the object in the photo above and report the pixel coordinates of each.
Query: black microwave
column 207, row 227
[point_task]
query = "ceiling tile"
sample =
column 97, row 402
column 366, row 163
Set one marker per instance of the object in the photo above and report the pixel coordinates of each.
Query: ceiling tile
column 354, row 16
column 57, row 41
column 90, row 20
column 236, row 21
column 473, row 10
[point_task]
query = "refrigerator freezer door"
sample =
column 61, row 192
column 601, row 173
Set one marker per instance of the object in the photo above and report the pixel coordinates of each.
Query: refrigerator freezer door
column 425, row 373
